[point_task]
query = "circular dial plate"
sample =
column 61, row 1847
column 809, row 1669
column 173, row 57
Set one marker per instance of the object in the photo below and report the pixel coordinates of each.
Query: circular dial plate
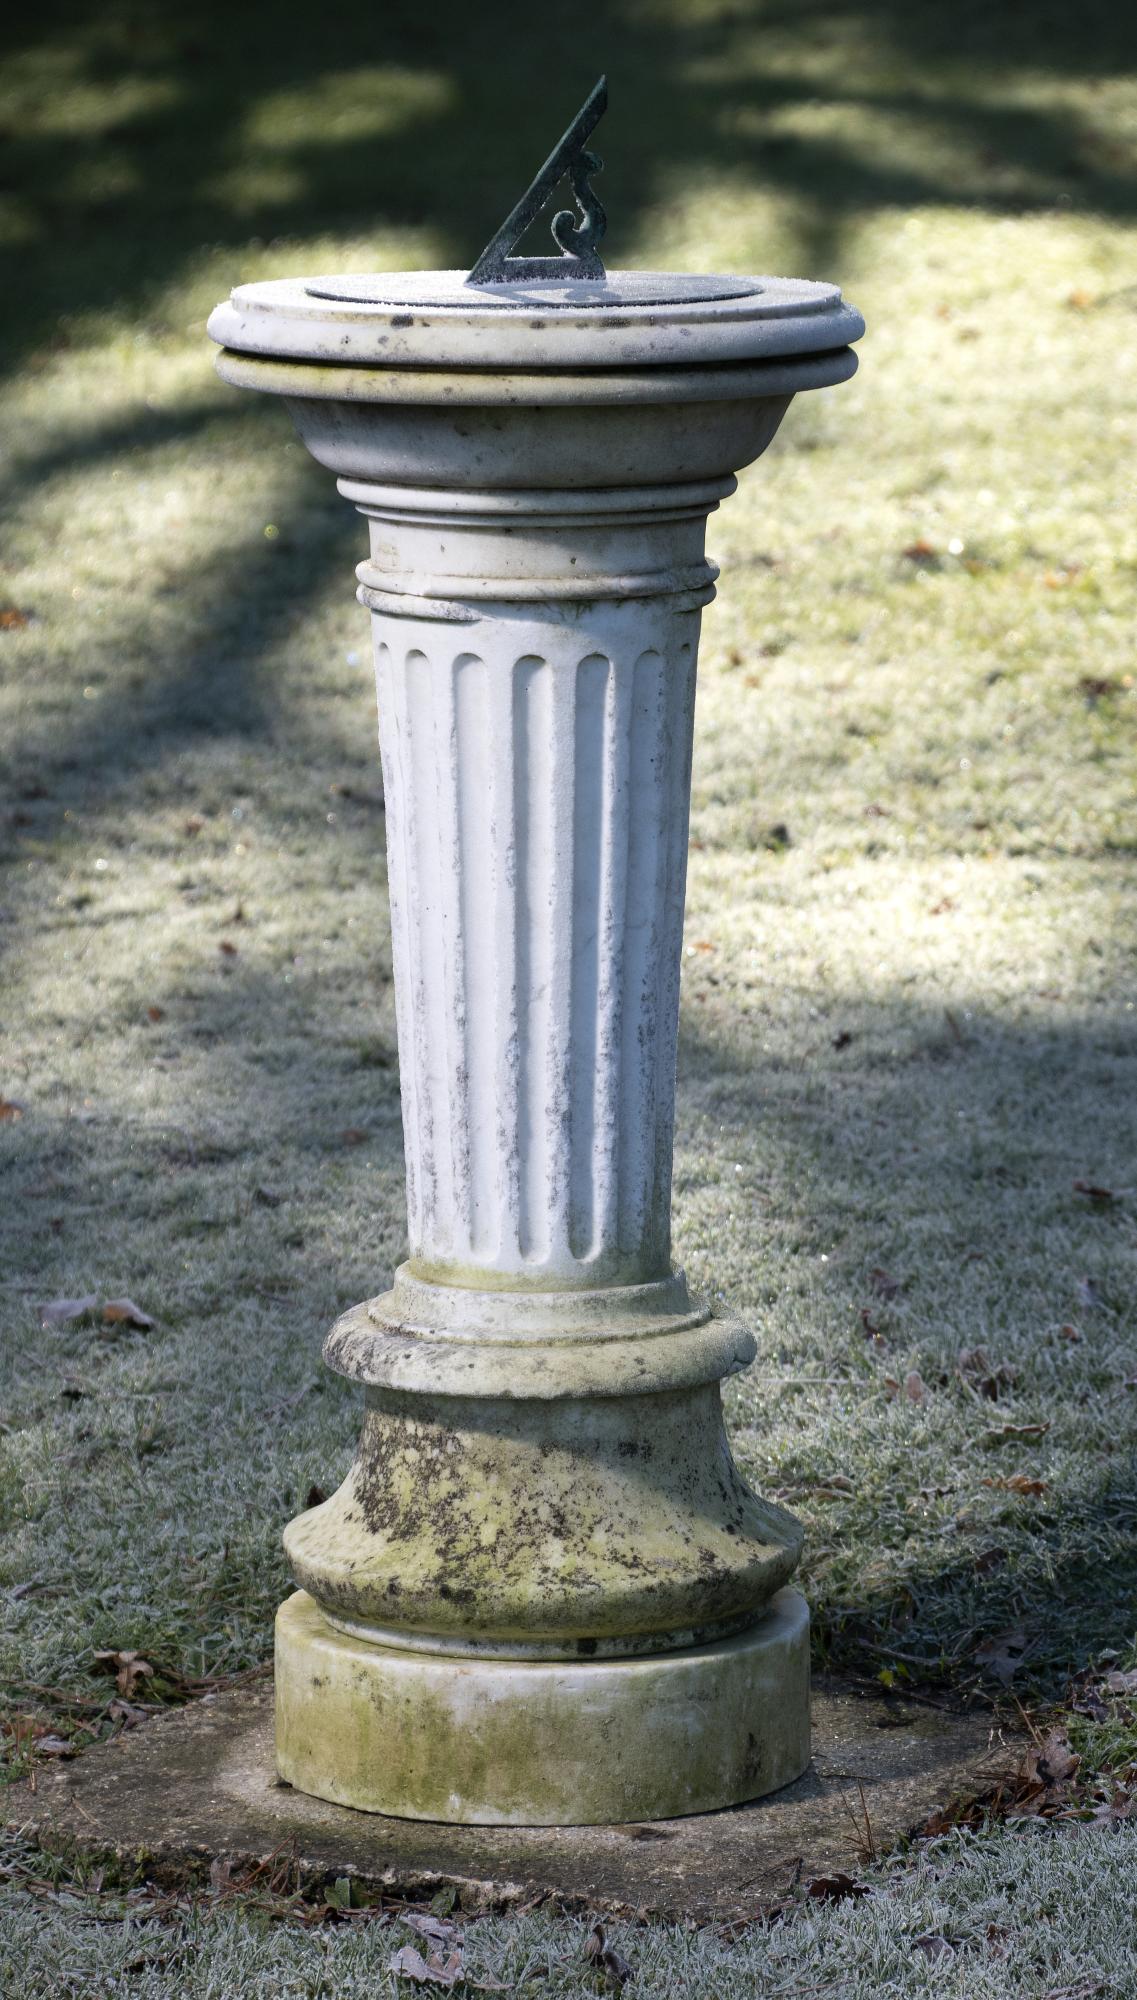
column 449, row 288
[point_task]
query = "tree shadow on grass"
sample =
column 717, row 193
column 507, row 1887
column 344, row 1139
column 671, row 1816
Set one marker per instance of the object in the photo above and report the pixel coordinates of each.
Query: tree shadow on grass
column 137, row 139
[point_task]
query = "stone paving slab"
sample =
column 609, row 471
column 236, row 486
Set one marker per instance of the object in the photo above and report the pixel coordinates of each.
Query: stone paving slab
column 199, row 1783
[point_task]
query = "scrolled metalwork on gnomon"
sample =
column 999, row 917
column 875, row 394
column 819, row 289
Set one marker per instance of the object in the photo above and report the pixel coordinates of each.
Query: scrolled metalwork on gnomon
column 579, row 241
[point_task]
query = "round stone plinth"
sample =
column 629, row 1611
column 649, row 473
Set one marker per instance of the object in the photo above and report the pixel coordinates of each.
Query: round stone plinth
column 499, row 1742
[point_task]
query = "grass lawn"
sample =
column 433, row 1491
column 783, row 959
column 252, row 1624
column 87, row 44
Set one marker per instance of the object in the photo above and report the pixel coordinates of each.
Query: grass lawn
column 909, row 1032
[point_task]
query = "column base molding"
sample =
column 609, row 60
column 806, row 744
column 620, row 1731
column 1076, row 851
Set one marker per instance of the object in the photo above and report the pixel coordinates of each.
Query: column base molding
column 500, row 1742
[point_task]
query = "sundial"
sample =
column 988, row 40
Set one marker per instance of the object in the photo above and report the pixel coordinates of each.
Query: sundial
column 574, row 278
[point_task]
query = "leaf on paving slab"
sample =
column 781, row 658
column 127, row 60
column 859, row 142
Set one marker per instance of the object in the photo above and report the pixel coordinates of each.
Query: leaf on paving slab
column 57, row 1312
column 124, row 1312
column 1004, row 1653
column 605, row 1957
column 127, row 1667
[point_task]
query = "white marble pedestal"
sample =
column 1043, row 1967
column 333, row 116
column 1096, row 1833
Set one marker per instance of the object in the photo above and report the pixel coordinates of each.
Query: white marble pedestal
column 543, row 1594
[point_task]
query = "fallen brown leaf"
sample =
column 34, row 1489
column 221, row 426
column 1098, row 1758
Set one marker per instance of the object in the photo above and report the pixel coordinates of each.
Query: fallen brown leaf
column 1052, row 1763
column 884, row 1284
column 1015, row 1431
column 55, row 1746
column 914, row 1387
column 437, row 1930
column 920, row 551
column 936, row 1947
column 194, row 824
column 355, row 1135
column 1069, row 1332
column 155, row 1013
column 227, row 947
column 11, row 619
column 124, row 1312
column 1119, row 1682
column 600, row 1953
column 988, row 1560
column 409, row 1963
column 1018, row 1482
column 980, row 1373
column 1003, row 1653
column 10, row 1110
column 127, row 1667
column 836, row 1887
column 1103, row 1195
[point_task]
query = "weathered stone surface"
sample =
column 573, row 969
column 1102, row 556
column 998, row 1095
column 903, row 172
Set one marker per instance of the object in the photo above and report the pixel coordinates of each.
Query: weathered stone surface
column 200, row 1783
column 543, row 1472
column 508, row 1742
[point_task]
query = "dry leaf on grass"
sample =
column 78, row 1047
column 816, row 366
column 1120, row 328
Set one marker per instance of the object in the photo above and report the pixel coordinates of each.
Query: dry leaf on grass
column 1018, row 1482
column 605, row 1957
column 55, row 1746
column 936, row 1947
column 1052, row 1763
column 1101, row 1195
column 1006, row 1431
column 58, row 1312
column 355, row 1135
column 10, row 1110
column 836, row 1887
column 1004, row 1653
column 435, row 1929
column 124, row 1312
column 884, row 1284
column 127, row 1667
column 986, row 1377
column 409, row 1963
column 1121, row 1683
column 914, row 1387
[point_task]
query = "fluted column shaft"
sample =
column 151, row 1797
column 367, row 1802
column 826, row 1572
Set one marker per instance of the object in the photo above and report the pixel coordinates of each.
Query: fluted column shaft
column 536, row 749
